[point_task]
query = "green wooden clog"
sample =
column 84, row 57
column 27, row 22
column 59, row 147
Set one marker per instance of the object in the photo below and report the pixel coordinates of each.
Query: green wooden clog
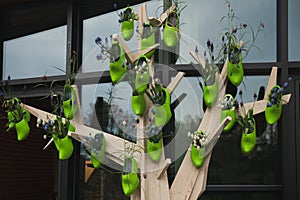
column 138, row 104
column 210, row 94
column 130, row 179
column 127, row 27
column 163, row 112
column 248, row 140
column 171, row 30
column 23, row 129
column 117, row 67
column 273, row 112
column 235, row 71
column 148, row 39
column 197, row 156
column 64, row 146
column 154, row 149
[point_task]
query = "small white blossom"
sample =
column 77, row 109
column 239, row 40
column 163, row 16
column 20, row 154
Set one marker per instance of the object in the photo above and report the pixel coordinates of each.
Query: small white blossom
column 45, row 137
column 189, row 134
column 38, row 121
column 124, row 123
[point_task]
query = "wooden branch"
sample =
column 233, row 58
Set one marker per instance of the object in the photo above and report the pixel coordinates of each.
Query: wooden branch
column 171, row 87
column 197, row 58
column 127, row 51
column 260, row 106
column 159, row 21
column 88, row 170
column 163, row 170
column 78, row 117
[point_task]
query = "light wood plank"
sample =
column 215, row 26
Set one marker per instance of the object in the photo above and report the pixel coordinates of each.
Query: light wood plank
column 171, row 87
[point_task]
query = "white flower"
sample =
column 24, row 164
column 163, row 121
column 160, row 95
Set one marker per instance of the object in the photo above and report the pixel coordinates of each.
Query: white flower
column 198, row 148
column 195, row 137
column 38, row 121
column 43, row 122
column 45, row 137
column 37, row 125
column 189, row 134
column 124, row 123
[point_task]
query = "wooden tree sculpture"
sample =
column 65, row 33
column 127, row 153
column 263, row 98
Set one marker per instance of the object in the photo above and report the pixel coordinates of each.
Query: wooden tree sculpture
column 190, row 182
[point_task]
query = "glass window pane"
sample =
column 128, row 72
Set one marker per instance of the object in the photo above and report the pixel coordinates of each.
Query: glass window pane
column 294, row 29
column 35, row 55
column 104, row 26
column 201, row 21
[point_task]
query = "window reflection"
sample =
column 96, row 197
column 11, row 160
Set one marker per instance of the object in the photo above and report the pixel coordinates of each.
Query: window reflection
column 35, row 55
column 104, row 26
column 201, row 21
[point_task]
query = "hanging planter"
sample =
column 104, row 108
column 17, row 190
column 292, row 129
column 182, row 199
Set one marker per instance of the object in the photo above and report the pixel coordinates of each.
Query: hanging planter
column 235, row 70
column 23, row 129
column 248, row 125
column 117, row 68
column 197, row 153
column 148, row 39
column 97, row 145
column 18, row 118
column 64, row 146
column 114, row 51
column 248, row 140
column 274, row 105
column 69, row 105
column 163, row 112
column 142, row 78
column 228, row 109
column 138, row 103
column 154, row 143
column 161, row 100
column 130, row 179
column 127, row 23
column 58, row 129
column 210, row 94
column 171, row 29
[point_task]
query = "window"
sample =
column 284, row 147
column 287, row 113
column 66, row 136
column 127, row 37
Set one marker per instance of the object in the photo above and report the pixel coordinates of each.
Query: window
column 200, row 21
column 294, row 39
column 35, row 55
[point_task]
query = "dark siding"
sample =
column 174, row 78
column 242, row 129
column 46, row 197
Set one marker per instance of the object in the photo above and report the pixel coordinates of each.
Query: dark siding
column 26, row 171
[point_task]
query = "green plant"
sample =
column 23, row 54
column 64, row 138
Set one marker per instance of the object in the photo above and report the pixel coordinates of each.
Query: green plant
column 156, row 93
column 108, row 49
column 243, row 117
column 198, row 138
column 234, row 34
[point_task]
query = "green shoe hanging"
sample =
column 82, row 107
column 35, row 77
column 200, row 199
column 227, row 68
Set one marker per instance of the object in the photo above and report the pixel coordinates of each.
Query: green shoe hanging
column 117, row 67
column 130, row 179
column 235, row 70
column 163, row 112
column 138, row 104
column 127, row 20
column 171, row 30
column 210, row 94
column 148, row 39
column 64, row 146
column 248, row 140
column 154, row 149
column 229, row 111
column 274, row 105
column 22, row 129
column 98, row 150
column 69, row 102
column 197, row 156
column 142, row 78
